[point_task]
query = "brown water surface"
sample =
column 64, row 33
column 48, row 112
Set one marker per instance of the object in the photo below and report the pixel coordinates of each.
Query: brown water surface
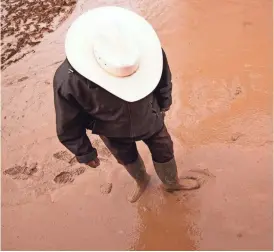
column 220, row 53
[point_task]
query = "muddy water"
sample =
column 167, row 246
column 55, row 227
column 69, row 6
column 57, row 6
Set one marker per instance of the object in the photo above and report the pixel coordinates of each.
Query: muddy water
column 220, row 54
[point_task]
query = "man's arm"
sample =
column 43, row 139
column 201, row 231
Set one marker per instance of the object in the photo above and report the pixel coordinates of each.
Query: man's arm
column 164, row 88
column 70, row 126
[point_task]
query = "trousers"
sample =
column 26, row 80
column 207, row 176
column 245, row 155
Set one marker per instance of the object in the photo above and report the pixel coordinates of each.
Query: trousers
column 125, row 149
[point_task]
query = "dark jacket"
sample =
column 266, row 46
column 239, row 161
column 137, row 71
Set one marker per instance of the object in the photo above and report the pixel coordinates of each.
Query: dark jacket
column 81, row 104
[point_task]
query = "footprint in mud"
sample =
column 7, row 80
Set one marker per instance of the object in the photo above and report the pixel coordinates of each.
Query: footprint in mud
column 106, row 188
column 21, row 172
column 64, row 178
column 65, row 156
column 204, row 174
column 67, row 177
column 102, row 149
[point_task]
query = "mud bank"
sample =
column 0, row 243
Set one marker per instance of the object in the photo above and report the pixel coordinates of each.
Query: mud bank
column 24, row 23
column 221, row 122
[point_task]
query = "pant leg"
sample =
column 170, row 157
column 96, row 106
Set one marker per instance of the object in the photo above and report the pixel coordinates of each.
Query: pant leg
column 124, row 150
column 160, row 146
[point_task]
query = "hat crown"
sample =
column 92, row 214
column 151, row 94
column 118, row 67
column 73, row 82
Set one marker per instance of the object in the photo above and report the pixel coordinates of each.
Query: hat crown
column 115, row 49
column 110, row 41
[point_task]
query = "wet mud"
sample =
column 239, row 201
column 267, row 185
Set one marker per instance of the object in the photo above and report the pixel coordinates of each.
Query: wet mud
column 25, row 22
column 221, row 122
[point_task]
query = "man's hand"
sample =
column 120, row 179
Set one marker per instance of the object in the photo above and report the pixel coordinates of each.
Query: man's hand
column 94, row 163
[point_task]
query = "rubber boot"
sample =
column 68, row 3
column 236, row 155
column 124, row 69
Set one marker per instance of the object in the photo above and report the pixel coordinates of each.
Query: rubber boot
column 138, row 172
column 167, row 173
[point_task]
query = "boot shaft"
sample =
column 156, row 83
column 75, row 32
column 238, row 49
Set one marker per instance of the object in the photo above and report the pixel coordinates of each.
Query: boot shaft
column 167, row 172
column 137, row 170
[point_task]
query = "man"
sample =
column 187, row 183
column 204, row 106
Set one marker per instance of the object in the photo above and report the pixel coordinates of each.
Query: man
column 116, row 82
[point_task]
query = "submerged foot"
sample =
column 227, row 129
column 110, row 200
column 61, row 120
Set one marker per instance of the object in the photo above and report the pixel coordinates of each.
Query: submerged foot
column 140, row 188
column 189, row 183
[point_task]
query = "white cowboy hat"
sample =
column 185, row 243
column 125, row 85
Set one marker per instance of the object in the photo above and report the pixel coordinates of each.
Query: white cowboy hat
column 116, row 49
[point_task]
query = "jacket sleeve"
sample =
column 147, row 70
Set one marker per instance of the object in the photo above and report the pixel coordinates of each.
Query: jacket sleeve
column 70, row 126
column 164, row 89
